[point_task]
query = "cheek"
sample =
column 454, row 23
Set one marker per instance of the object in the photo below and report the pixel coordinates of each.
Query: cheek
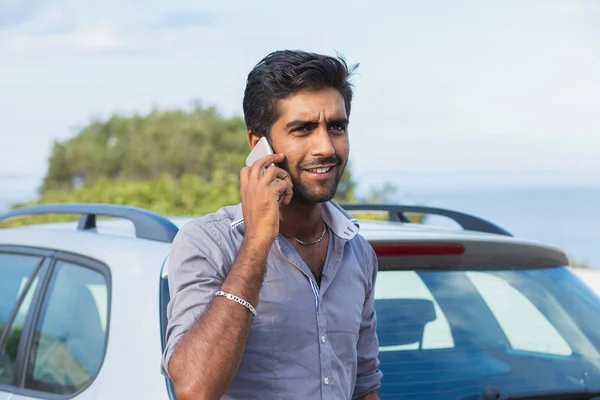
column 294, row 152
column 341, row 146
column 290, row 149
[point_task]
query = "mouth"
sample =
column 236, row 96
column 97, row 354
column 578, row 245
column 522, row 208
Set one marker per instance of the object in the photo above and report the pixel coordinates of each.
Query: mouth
column 321, row 172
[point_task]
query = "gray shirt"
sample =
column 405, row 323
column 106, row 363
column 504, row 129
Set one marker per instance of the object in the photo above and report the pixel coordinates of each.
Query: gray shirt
column 306, row 341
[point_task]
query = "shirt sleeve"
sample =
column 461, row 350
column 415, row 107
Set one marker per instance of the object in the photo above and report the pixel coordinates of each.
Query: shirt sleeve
column 195, row 274
column 368, row 373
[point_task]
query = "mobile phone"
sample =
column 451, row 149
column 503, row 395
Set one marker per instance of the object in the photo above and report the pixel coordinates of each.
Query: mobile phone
column 262, row 149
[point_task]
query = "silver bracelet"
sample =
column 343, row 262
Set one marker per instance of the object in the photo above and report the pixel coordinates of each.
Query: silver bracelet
column 237, row 300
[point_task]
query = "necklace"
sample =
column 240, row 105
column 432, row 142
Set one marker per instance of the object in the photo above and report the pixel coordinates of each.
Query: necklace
column 307, row 243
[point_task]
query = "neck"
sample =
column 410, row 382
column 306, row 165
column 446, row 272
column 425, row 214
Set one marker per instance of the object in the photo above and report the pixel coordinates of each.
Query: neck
column 300, row 220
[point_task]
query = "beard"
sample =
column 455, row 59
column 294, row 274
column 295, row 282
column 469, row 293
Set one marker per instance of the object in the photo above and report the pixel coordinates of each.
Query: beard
column 306, row 191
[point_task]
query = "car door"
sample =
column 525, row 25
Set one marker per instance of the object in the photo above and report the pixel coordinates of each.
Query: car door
column 53, row 324
column 69, row 339
column 21, row 270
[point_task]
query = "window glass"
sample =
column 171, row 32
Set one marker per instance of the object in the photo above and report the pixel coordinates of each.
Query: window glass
column 524, row 325
column 15, row 271
column 409, row 317
column 449, row 334
column 70, row 337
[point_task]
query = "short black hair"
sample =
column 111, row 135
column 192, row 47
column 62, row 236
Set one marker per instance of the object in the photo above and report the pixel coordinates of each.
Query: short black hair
column 284, row 72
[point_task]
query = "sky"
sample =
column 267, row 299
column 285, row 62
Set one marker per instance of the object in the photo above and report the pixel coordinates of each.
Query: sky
column 447, row 93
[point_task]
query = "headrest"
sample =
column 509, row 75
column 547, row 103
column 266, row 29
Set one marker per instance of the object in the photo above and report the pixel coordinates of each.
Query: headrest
column 402, row 321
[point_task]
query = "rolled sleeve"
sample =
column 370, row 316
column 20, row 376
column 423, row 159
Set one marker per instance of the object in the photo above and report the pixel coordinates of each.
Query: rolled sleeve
column 368, row 373
column 195, row 274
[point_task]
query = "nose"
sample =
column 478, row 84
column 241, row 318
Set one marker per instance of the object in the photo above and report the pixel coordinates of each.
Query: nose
column 322, row 145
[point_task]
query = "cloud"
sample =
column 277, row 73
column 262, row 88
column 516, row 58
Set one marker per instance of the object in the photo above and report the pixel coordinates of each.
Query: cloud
column 16, row 12
column 566, row 8
column 32, row 20
column 52, row 20
column 177, row 19
column 87, row 40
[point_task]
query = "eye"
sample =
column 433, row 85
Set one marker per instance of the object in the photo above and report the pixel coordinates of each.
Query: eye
column 301, row 129
column 338, row 128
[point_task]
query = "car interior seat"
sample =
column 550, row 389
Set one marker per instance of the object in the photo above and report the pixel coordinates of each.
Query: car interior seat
column 402, row 321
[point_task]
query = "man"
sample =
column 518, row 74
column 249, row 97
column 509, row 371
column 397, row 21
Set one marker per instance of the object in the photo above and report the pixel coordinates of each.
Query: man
column 273, row 298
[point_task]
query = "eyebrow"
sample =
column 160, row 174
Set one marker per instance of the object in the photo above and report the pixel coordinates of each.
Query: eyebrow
column 312, row 123
column 339, row 121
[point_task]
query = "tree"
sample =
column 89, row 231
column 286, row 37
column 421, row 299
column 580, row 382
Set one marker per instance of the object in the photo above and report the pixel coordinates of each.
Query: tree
column 144, row 147
column 175, row 143
column 174, row 162
column 383, row 194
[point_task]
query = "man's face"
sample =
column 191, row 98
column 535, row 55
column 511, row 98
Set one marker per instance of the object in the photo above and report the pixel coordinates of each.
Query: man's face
column 312, row 134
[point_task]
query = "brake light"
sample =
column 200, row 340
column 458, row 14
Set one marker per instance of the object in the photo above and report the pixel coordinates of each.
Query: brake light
column 418, row 249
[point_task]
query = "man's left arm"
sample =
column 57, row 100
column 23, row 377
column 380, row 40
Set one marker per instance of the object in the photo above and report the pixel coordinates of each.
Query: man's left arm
column 368, row 377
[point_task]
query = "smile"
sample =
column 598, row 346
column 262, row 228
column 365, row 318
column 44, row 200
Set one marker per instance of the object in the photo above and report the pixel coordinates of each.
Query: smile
column 321, row 170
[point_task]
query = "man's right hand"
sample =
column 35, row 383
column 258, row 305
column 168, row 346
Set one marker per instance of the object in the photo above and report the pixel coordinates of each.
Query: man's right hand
column 260, row 198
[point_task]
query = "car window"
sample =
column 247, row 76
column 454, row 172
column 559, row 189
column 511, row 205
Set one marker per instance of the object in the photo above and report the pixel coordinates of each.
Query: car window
column 70, row 338
column 403, row 301
column 16, row 272
column 523, row 323
column 449, row 334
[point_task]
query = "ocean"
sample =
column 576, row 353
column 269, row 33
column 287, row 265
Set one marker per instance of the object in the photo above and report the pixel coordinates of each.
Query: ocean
column 568, row 218
column 565, row 217
column 16, row 189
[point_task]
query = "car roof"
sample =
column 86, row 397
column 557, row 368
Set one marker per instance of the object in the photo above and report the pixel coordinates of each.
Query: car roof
column 119, row 235
column 372, row 230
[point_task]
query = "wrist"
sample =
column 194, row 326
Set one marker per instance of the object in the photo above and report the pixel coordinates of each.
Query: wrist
column 257, row 246
column 247, row 273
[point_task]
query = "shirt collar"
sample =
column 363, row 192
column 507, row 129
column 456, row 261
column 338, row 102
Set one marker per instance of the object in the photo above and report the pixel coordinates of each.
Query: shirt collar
column 338, row 220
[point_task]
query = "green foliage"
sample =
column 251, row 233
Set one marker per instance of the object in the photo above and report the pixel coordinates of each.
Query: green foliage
column 383, row 194
column 383, row 216
column 167, row 195
column 148, row 161
column 577, row 264
column 175, row 143
column 11, row 345
column 172, row 162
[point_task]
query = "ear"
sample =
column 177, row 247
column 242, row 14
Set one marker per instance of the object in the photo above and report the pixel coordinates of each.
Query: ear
column 253, row 138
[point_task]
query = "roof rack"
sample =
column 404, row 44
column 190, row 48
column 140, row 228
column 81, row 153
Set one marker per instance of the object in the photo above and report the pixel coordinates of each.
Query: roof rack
column 396, row 214
column 148, row 225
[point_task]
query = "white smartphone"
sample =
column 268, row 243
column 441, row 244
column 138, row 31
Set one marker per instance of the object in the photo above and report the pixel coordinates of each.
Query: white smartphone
column 262, row 149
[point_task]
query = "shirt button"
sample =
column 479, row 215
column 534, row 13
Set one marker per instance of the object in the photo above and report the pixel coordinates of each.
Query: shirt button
column 326, row 381
column 323, row 338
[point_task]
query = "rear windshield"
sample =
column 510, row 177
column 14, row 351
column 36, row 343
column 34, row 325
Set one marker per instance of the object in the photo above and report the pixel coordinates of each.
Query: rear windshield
column 447, row 335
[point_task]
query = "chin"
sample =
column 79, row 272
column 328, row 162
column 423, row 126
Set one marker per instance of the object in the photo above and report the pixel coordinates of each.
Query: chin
column 313, row 196
column 305, row 192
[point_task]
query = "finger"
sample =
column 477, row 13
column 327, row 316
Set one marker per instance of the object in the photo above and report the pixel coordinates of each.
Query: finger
column 262, row 163
column 244, row 182
column 283, row 189
column 274, row 172
column 244, row 177
column 287, row 198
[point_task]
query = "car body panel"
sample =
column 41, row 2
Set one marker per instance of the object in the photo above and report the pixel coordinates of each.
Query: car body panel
column 131, row 367
column 135, row 270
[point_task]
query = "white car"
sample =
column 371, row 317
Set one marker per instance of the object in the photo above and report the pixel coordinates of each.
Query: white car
column 470, row 313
